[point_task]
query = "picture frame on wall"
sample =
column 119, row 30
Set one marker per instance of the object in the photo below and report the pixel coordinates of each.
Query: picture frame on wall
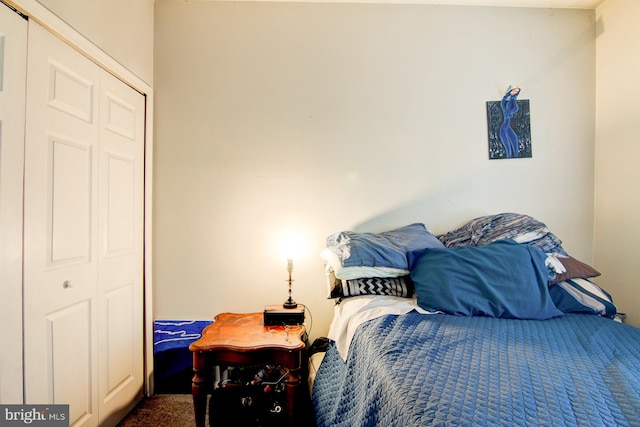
column 509, row 127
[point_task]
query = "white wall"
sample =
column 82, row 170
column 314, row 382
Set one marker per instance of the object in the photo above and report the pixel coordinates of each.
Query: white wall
column 327, row 117
column 617, row 214
column 122, row 28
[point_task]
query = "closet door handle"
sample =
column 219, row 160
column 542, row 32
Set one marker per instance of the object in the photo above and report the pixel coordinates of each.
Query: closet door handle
column 67, row 284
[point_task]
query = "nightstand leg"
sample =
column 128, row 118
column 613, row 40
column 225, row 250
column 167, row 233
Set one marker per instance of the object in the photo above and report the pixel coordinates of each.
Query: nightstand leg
column 293, row 381
column 199, row 388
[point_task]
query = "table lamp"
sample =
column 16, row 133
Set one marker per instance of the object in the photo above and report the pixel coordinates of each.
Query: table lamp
column 290, row 312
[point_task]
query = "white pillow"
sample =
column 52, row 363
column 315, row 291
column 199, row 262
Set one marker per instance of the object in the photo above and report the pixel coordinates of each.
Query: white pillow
column 332, row 261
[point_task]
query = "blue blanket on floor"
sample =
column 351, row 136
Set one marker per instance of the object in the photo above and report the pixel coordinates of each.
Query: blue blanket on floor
column 444, row 370
column 172, row 359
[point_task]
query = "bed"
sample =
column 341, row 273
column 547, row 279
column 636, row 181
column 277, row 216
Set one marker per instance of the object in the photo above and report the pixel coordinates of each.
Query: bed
column 491, row 324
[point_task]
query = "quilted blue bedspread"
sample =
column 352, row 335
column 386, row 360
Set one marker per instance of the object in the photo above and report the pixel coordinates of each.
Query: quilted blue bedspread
column 444, row 370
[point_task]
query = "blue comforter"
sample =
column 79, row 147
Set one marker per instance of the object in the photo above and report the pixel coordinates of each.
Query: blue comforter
column 444, row 370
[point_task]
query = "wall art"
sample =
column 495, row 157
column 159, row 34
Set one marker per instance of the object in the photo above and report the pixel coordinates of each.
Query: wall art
column 509, row 125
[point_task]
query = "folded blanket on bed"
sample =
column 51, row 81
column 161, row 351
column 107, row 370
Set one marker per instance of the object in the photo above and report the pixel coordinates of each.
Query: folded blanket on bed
column 519, row 227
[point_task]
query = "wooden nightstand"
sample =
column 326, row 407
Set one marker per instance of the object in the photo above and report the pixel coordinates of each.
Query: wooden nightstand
column 240, row 340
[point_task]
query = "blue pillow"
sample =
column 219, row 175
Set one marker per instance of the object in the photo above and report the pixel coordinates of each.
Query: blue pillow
column 501, row 279
column 386, row 249
column 582, row 296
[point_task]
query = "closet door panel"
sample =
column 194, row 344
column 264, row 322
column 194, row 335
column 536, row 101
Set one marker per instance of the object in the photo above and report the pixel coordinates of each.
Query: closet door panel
column 60, row 227
column 119, row 339
column 70, row 372
column 120, row 263
column 120, row 210
column 13, row 71
column 69, row 205
column 69, row 92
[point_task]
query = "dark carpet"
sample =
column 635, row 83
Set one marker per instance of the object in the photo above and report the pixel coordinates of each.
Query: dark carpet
column 176, row 410
column 161, row 410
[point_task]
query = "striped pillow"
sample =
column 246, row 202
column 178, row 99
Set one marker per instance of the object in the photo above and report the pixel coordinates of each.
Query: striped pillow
column 582, row 296
column 393, row 286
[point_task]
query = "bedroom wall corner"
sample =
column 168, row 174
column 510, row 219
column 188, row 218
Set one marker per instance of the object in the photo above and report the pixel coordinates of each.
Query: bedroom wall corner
column 617, row 199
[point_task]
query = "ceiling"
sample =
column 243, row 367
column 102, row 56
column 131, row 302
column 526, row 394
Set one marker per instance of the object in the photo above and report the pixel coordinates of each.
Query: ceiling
column 566, row 4
column 563, row 4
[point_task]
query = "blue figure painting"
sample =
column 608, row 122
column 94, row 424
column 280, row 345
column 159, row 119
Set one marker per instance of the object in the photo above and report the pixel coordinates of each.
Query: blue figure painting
column 509, row 107
column 509, row 126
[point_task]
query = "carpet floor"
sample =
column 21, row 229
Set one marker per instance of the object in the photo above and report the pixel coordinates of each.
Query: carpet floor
column 161, row 410
column 176, row 410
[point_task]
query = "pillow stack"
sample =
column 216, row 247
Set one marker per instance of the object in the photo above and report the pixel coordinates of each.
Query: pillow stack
column 374, row 263
column 505, row 265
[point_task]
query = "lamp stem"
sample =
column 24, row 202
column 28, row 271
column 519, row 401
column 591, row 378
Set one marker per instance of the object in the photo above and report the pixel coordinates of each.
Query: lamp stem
column 290, row 303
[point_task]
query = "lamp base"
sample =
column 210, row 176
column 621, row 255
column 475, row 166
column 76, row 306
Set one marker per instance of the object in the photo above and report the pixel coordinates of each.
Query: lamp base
column 278, row 315
column 290, row 303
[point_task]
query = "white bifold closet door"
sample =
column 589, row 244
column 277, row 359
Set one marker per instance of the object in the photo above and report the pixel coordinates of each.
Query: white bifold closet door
column 13, row 69
column 83, row 235
column 120, row 249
